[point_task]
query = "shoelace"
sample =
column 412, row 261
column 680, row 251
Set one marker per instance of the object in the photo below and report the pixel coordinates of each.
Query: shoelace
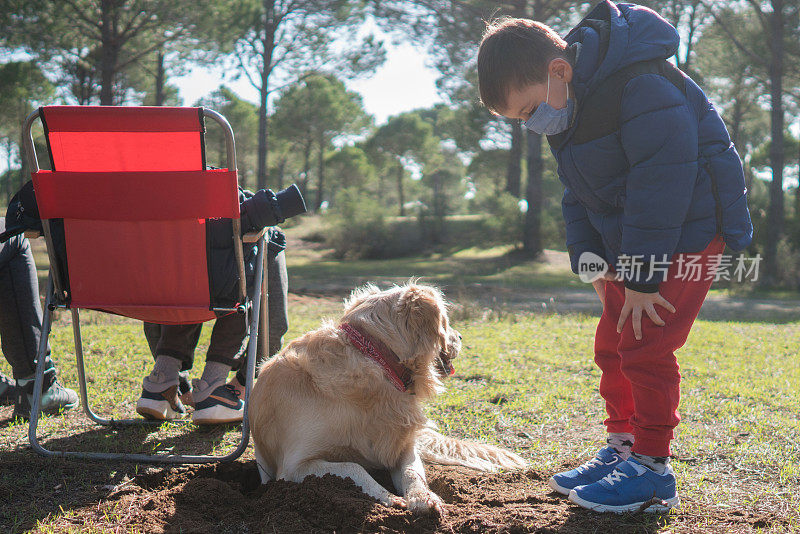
column 591, row 463
column 615, row 476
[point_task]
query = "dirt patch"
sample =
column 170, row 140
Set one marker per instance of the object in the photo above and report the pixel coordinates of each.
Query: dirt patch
column 229, row 498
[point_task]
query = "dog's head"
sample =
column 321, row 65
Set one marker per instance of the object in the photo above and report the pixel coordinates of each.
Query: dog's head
column 412, row 321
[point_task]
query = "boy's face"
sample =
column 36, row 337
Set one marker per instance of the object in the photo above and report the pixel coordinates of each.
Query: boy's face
column 522, row 102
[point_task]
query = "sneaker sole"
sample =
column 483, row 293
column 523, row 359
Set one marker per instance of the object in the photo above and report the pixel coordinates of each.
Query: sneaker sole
column 555, row 487
column 216, row 415
column 674, row 502
column 156, row 410
column 55, row 410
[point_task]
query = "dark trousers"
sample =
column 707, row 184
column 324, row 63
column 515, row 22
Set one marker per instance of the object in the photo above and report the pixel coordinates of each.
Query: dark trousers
column 227, row 343
column 20, row 308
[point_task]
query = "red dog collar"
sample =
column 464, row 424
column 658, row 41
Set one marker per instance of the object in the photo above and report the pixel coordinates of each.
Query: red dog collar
column 375, row 350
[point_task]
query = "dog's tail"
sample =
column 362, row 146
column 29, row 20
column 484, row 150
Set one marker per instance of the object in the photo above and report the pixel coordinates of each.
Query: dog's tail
column 435, row 448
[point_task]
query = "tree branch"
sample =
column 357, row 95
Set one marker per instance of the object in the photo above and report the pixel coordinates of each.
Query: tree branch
column 762, row 18
column 749, row 53
column 137, row 57
column 90, row 24
column 247, row 72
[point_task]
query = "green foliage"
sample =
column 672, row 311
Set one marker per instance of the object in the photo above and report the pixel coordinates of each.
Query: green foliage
column 357, row 226
column 93, row 45
column 243, row 118
column 350, row 167
column 505, row 219
column 309, row 115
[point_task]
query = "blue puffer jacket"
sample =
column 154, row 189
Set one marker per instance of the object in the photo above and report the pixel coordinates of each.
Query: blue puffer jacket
column 648, row 188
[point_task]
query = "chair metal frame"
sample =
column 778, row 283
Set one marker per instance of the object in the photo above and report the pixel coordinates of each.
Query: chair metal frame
column 258, row 327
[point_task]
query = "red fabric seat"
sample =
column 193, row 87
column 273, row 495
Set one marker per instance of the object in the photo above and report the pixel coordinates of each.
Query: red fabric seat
column 131, row 188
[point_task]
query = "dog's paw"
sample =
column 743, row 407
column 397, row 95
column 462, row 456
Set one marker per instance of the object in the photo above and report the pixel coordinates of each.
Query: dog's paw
column 422, row 501
column 395, row 502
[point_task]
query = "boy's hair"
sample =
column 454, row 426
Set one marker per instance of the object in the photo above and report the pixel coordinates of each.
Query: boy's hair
column 514, row 53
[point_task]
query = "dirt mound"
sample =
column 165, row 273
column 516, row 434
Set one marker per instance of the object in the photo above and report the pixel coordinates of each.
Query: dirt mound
column 230, row 498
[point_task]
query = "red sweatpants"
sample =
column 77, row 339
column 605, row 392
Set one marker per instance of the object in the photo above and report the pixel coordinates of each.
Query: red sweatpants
column 640, row 380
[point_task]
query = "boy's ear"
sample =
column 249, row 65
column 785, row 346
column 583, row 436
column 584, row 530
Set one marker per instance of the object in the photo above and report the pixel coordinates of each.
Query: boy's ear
column 560, row 69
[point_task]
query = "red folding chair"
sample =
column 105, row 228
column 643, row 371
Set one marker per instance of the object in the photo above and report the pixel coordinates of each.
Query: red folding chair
column 125, row 211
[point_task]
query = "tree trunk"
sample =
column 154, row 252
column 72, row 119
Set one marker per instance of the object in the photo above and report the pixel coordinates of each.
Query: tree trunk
column 24, row 166
column 9, row 172
column 775, row 215
column 268, row 44
column 320, row 173
column 281, row 172
column 439, row 207
column 306, row 169
column 160, row 77
column 797, row 191
column 532, row 231
column 400, row 196
column 514, row 169
column 108, row 62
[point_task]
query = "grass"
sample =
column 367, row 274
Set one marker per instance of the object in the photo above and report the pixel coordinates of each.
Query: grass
column 524, row 380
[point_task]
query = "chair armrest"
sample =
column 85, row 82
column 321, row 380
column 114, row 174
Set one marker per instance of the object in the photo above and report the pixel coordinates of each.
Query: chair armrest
column 32, row 234
column 252, row 237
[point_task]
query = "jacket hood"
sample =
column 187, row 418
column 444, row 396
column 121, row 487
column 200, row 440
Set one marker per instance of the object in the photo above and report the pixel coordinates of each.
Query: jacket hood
column 612, row 37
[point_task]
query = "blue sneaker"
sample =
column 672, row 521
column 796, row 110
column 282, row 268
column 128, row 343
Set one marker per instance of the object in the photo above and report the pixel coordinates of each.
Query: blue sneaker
column 632, row 487
column 604, row 462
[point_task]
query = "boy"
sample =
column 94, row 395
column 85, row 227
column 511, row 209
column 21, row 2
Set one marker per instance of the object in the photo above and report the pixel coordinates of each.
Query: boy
column 651, row 179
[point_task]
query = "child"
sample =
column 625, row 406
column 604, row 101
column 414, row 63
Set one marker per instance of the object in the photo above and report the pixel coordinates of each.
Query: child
column 214, row 399
column 651, row 179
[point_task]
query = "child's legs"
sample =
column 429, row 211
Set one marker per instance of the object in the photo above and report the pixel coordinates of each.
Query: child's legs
column 175, row 341
column 20, row 309
column 224, row 353
column 228, row 340
column 650, row 363
column 614, row 386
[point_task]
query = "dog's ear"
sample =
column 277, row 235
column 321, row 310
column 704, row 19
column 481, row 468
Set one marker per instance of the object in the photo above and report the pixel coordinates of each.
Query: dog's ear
column 421, row 311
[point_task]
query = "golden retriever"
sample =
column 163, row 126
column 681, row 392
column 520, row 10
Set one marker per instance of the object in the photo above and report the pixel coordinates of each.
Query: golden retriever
column 324, row 405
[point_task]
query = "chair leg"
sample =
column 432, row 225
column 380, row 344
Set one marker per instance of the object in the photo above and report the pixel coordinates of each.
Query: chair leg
column 37, row 384
column 145, row 458
column 76, row 334
column 252, row 349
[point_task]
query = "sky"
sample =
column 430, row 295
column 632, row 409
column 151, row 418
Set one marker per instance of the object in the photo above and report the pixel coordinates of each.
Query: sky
column 404, row 82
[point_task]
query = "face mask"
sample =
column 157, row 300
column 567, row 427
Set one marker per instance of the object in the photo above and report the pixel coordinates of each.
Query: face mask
column 547, row 120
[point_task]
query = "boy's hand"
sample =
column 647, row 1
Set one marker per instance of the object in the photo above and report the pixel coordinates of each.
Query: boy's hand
column 635, row 302
column 600, row 286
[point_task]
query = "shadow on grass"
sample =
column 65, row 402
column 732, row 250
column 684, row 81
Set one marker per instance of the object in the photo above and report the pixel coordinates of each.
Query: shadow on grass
column 33, row 487
column 441, row 270
column 181, row 439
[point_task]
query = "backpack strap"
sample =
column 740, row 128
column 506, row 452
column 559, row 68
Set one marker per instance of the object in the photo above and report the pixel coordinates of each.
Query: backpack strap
column 600, row 111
